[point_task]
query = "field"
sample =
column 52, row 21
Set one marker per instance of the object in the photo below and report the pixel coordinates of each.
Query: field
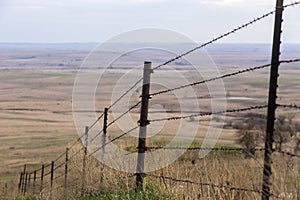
column 36, row 118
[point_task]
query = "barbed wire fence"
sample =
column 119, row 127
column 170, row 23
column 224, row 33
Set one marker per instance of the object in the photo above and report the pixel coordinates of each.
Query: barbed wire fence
column 46, row 180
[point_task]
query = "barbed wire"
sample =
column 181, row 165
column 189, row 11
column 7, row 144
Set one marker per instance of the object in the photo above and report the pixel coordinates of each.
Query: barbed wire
column 59, row 166
column 216, row 39
column 202, row 46
column 131, row 108
column 208, row 184
column 78, row 140
column 98, row 134
column 116, row 138
column 291, row 106
column 125, row 93
column 60, row 156
column 115, row 120
column 202, row 148
column 98, row 119
column 75, row 154
column 221, row 77
column 286, row 153
column 202, row 114
column 292, row 4
column 196, row 48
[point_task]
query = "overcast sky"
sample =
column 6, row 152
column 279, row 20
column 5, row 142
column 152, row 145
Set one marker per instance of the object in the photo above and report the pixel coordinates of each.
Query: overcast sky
column 99, row 20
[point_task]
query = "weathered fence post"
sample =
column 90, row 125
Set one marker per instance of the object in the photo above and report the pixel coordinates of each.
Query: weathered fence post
column 34, row 182
column 267, row 171
column 42, row 178
column 104, row 130
column 66, row 171
column 84, row 160
column 25, row 183
column 5, row 190
column 20, row 182
column 105, row 117
column 28, row 183
column 51, row 179
column 23, row 179
column 143, row 125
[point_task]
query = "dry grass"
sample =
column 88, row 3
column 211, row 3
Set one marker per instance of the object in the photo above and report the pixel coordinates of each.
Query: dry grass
column 37, row 124
column 222, row 171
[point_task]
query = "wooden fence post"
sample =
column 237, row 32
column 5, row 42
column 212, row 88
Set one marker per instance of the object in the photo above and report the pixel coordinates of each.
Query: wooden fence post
column 143, row 125
column 25, row 183
column 34, row 182
column 103, row 142
column 42, row 178
column 84, row 160
column 23, row 179
column 66, row 171
column 267, row 171
column 51, row 179
column 28, row 183
column 20, row 182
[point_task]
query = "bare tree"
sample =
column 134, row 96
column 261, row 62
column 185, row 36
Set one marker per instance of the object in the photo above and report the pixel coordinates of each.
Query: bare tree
column 252, row 132
column 284, row 130
column 250, row 135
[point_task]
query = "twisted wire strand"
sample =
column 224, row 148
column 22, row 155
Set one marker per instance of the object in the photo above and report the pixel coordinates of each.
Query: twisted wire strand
column 115, row 120
column 202, row 114
column 222, row 77
column 287, row 153
column 116, row 138
column 291, row 106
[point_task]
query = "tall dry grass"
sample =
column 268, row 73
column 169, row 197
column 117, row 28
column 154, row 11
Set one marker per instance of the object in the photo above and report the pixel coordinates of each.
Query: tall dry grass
column 220, row 175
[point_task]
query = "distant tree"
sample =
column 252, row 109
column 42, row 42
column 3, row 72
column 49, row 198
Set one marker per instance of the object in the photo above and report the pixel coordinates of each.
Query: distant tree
column 250, row 135
column 252, row 132
column 284, row 130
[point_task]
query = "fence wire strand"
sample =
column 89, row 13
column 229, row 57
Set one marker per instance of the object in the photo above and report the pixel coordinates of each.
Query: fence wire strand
column 116, row 138
column 203, row 114
column 221, row 77
column 287, row 153
column 291, row 106
column 115, row 120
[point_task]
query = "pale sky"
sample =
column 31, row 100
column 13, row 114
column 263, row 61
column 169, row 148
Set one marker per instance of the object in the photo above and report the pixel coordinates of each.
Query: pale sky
column 99, row 20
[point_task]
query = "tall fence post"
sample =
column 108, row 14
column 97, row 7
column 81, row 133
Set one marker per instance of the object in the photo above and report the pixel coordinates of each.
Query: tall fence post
column 84, row 160
column 104, row 130
column 42, row 179
column 105, row 117
column 23, row 179
column 51, row 179
column 143, row 126
column 66, row 171
column 267, row 171
column 28, row 183
column 20, row 182
column 34, row 182
column 25, row 183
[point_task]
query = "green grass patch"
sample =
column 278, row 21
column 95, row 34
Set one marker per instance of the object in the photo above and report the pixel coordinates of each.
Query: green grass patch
column 151, row 191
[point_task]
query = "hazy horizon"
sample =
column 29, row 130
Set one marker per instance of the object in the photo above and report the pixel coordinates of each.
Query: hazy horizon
column 64, row 21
